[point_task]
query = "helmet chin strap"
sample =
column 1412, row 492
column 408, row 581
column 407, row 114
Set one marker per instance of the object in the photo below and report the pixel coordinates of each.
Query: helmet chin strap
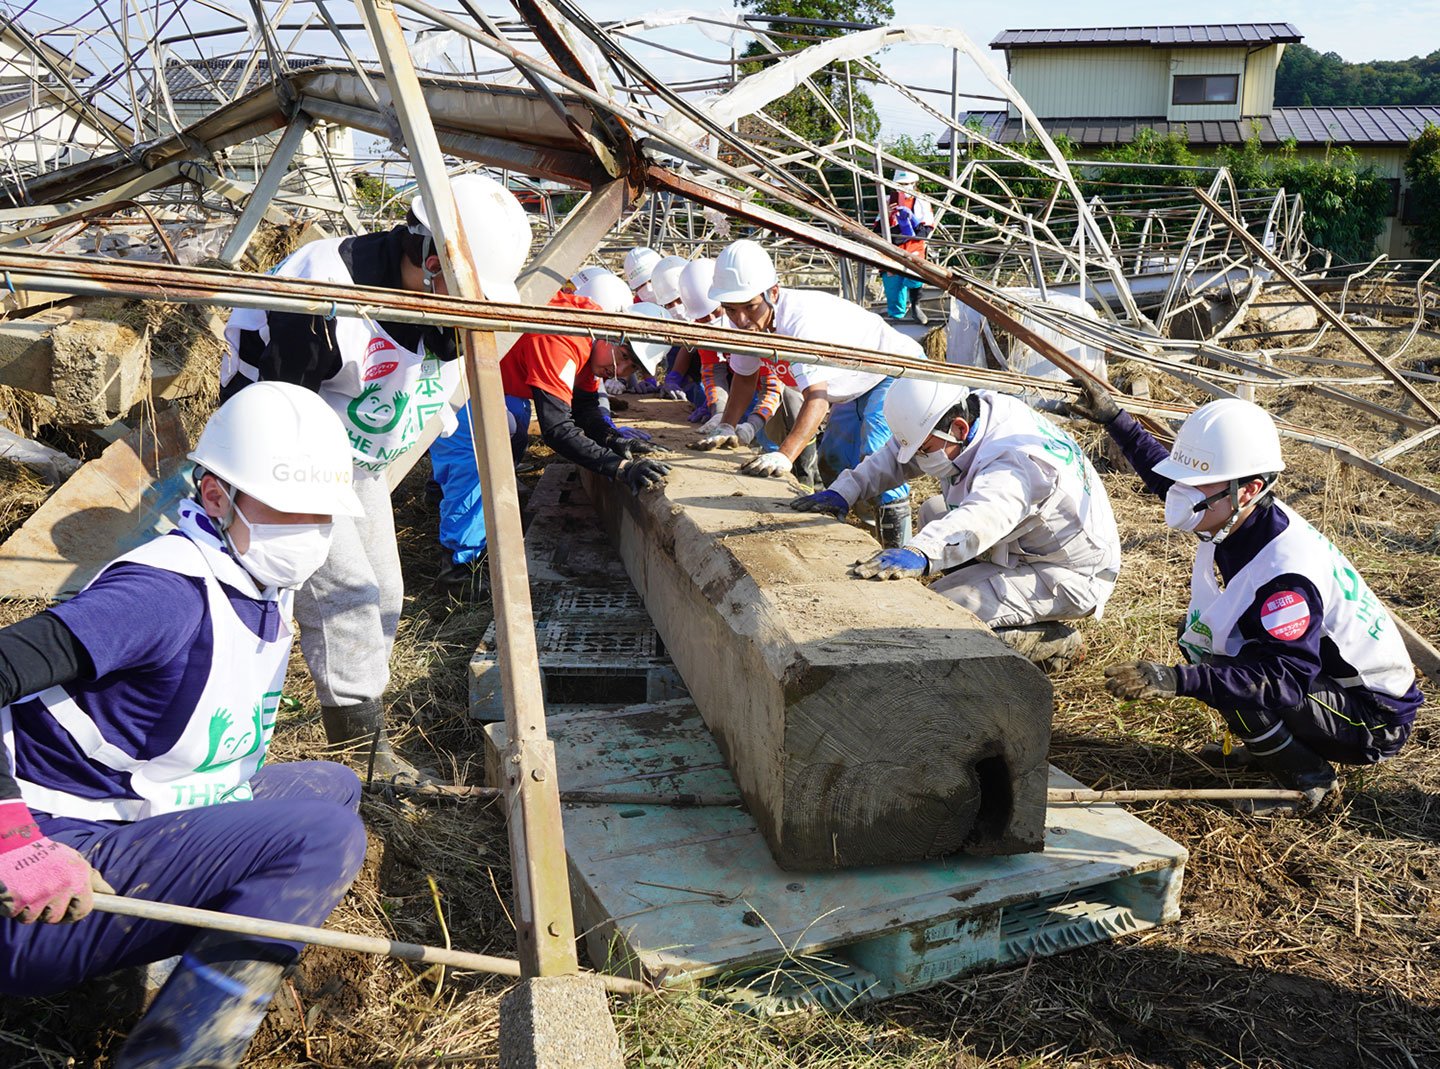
column 1229, row 525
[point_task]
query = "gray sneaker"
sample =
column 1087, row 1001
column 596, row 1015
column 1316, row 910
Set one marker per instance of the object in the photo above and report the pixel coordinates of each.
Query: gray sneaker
column 1050, row 645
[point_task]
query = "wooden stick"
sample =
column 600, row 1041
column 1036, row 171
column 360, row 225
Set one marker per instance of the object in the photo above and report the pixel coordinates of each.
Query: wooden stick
column 304, row 933
column 1061, row 795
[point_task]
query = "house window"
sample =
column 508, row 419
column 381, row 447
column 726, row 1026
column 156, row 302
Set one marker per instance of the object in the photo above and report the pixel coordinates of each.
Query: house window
column 1205, row 89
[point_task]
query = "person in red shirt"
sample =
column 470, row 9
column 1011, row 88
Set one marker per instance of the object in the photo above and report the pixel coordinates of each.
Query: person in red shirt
column 559, row 375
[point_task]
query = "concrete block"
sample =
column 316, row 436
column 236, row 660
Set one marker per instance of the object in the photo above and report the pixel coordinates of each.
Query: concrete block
column 558, row 1022
column 865, row 722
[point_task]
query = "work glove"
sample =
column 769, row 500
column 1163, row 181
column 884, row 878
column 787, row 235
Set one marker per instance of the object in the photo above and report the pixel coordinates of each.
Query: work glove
column 720, row 436
column 614, row 387
column 745, row 432
column 643, row 474
column 632, row 447
column 701, row 413
column 775, row 465
column 645, row 384
column 904, row 563
column 40, row 879
column 1094, row 403
column 625, row 434
column 673, row 389
column 903, row 225
column 825, row 501
column 1141, row 679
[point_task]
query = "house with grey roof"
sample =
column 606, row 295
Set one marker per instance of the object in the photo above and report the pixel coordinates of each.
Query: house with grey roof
column 1212, row 84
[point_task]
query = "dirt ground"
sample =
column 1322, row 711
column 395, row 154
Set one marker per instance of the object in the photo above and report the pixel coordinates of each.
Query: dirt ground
column 1312, row 943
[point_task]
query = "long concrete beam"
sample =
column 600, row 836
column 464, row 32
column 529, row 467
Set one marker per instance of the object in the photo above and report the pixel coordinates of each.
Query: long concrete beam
column 866, row 722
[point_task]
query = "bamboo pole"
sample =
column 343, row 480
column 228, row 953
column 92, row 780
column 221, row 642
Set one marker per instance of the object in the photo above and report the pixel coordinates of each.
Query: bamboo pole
column 325, row 937
column 1063, row 796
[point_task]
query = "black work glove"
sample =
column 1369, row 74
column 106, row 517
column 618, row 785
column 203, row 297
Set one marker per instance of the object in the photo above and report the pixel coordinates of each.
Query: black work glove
column 643, row 474
column 1094, row 403
column 1141, row 679
column 632, row 447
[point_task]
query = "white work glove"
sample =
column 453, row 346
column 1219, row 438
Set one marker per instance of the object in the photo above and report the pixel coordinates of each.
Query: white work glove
column 717, row 420
column 723, row 436
column 614, row 387
column 776, row 465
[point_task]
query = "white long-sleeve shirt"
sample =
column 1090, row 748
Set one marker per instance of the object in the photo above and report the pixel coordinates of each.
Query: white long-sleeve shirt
column 1023, row 493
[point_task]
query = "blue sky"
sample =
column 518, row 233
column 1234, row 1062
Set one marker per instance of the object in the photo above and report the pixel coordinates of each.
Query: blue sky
column 1358, row 31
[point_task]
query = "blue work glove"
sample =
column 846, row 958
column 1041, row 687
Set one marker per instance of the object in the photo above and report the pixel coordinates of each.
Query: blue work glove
column 625, row 434
column 644, row 384
column 825, row 501
column 904, row 563
column 673, row 388
column 904, row 225
column 701, row 413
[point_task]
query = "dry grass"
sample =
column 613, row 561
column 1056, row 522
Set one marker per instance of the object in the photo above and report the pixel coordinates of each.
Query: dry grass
column 1309, row 944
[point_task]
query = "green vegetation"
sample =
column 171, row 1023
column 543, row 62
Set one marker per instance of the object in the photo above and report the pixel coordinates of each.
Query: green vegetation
column 801, row 110
column 1307, row 78
column 1422, row 169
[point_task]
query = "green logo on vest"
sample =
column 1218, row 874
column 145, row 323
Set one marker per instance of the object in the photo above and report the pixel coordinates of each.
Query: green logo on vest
column 375, row 415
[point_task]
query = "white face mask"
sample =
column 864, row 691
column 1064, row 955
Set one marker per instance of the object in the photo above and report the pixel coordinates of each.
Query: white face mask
column 1181, row 503
column 936, row 465
column 284, row 554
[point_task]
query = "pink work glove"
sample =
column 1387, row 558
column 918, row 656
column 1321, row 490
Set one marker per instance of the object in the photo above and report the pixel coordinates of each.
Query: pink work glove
column 40, row 879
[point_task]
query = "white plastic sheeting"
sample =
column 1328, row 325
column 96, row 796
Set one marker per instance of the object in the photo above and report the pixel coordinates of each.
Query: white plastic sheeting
column 967, row 336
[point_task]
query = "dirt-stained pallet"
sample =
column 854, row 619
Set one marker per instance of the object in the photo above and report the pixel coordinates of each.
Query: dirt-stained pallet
column 689, row 895
column 595, row 640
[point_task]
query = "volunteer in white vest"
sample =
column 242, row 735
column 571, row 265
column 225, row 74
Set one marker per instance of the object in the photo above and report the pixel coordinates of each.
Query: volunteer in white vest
column 1021, row 533
column 385, row 380
column 1301, row 660
column 136, row 719
column 850, row 404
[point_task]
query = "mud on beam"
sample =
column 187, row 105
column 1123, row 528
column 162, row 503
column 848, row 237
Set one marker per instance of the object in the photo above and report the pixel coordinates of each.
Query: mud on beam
column 865, row 722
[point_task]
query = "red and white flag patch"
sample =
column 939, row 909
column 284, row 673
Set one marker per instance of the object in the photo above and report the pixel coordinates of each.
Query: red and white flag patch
column 1285, row 615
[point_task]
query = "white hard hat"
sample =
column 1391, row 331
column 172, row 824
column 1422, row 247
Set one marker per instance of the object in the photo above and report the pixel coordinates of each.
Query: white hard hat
column 585, row 274
column 905, row 178
column 695, row 283
column 665, row 279
column 284, row 446
column 1223, row 440
column 606, row 289
column 639, row 263
column 743, row 271
column 649, row 353
column 913, row 407
column 497, row 227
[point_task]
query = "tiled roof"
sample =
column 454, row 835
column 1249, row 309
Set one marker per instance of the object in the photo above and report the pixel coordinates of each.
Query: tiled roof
column 1203, row 36
column 1307, row 126
column 214, row 81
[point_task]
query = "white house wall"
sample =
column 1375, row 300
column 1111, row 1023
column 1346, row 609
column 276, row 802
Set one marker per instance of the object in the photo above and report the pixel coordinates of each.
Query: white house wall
column 56, row 131
column 1086, row 82
column 1257, row 93
column 1190, row 61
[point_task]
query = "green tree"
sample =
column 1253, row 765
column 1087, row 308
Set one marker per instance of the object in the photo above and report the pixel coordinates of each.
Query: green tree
column 1307, row 78
column 1422, row 170
column 800, row 110
column 1345, row 199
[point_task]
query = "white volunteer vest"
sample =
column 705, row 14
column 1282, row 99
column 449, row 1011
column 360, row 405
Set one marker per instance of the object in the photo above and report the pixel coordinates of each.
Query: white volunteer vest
column 1017, row 430
column 1354, row 619
column 383, row 392
column 228, row 733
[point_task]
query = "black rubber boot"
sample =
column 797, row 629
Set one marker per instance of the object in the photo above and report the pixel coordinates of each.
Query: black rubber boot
column 207, row 1012
column 1295, row 768
column 1214, row 755
column 893, row 522
column 468, row 582
column 358, row 731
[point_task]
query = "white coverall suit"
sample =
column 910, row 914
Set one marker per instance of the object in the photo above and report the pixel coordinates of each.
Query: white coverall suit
column 1023, row 531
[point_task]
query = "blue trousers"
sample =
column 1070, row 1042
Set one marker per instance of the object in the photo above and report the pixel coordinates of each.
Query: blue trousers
column 856, row 429
column 288, row 855
column 897, row 293
column 452, row 463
